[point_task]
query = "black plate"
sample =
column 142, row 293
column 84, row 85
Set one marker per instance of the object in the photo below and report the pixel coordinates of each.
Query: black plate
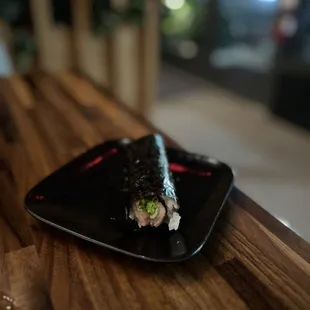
column 89, row 197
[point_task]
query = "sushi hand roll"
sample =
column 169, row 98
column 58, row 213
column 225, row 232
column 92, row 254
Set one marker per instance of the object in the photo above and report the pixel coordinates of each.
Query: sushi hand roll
column 153, row 197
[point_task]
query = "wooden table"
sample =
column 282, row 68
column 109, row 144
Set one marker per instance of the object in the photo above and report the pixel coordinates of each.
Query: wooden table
column 251, row 262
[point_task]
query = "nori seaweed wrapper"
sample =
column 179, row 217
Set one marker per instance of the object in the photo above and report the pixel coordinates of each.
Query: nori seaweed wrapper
column 149, row 174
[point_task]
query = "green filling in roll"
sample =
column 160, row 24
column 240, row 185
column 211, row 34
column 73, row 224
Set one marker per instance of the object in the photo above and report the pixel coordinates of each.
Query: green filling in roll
column 148, row 206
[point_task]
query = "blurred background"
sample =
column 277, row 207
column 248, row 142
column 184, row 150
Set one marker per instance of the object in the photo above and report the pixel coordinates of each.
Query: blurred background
column 225, row 78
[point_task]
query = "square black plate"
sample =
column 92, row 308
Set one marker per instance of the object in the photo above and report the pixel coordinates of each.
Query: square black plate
column 89, row 198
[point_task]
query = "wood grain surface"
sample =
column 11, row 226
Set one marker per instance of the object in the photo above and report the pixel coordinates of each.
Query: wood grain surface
column 251, row 262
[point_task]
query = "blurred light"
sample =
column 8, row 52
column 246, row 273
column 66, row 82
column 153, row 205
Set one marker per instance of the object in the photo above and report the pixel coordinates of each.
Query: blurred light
column 284, row 222
column 288, row 4
column 288, row 25
column 188, row 49
column 174, row 4
column 268, row 0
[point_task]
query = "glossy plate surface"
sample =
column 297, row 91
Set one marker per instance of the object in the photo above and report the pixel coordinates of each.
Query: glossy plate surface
column 89, row 198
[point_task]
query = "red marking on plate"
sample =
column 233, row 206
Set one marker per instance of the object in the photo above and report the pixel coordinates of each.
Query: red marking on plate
column 183, row 169
column 99, row 159
column 39, row 197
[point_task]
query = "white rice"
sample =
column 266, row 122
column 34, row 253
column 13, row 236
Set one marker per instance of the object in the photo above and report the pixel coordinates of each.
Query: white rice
column 172, row 214
column 174, row 221
column 131, row 215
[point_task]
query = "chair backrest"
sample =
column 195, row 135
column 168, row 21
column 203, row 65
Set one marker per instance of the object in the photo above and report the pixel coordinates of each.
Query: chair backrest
column 124, row 62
